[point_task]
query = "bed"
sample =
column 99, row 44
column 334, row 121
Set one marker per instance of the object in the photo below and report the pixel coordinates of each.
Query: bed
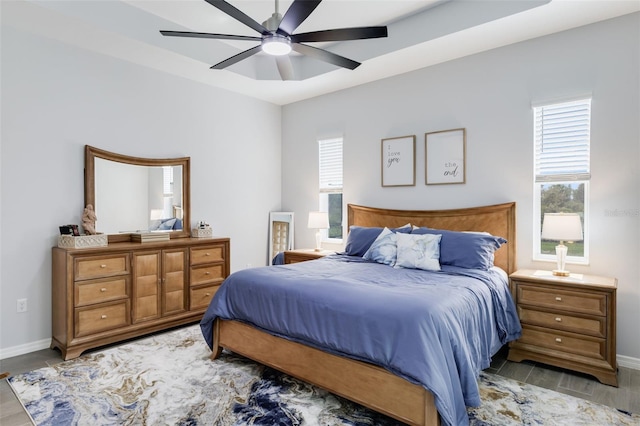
column 371, row 370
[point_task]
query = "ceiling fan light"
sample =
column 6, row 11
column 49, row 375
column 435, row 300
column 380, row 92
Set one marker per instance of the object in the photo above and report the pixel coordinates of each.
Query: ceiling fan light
column 276, row 45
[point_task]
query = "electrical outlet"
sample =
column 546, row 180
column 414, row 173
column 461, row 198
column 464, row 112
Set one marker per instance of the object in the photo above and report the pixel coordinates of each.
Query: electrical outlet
column 22, row 305
column 249, row 265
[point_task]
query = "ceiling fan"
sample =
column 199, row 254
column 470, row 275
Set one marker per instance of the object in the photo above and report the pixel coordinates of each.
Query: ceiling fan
column 277, row 36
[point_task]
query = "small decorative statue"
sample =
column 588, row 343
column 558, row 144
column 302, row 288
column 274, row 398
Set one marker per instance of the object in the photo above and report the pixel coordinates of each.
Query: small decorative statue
column 89, row 220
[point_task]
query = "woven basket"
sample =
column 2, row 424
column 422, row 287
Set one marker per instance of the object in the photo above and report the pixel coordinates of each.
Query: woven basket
column 82, row 241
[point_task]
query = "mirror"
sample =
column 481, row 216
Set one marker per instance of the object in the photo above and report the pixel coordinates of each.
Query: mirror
column 280, row 233
column 133, row 194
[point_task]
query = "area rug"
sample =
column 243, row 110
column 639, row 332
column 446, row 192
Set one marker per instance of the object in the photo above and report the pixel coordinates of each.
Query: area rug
column 168, row 379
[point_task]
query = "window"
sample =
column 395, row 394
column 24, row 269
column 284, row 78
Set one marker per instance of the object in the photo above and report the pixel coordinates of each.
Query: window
column 330, row 167
column 562, row 172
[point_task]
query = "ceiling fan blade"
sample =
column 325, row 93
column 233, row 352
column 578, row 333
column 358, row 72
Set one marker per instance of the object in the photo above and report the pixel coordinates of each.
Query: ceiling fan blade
column 325, row 55
column 238, row 15
column 285, row 68
column 341, row 34
column 237, row 58
column 296, row 14
column 209, row 35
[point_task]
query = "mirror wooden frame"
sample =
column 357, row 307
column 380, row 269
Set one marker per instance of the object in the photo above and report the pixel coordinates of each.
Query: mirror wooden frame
column 91, row 153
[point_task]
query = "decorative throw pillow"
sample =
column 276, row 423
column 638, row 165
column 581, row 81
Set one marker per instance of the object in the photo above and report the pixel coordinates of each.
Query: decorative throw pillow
column 383, row 249
column 418, row 251
column 167, row 224
column 361, row 237
column 465, row 249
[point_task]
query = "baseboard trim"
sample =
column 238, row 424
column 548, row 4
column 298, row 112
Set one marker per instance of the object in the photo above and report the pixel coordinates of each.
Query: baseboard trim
column 24, row 349
column 628, row 362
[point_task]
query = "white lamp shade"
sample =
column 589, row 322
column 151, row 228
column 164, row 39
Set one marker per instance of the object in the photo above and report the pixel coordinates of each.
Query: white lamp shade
column 561, row 227
column 318, row 220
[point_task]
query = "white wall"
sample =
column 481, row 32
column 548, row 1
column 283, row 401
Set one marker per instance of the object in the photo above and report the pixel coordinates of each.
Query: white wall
column 57, row 98
column 490, row 94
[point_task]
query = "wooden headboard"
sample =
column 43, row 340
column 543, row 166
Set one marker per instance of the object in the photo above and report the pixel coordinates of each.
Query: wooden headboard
column 499, row 220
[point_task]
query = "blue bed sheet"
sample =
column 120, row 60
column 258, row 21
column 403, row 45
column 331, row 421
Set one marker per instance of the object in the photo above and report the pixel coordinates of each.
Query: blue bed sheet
column 436, row 329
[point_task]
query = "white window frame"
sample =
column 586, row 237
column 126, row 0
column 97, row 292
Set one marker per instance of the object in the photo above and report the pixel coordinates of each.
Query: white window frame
column 330, row 184
column 564, row 176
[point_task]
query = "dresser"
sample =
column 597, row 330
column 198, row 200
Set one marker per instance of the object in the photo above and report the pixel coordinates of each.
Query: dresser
column 107, row 294
column 568, row 322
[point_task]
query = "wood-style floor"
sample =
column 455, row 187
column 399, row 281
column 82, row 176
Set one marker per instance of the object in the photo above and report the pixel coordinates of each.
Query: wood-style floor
column 625, row 397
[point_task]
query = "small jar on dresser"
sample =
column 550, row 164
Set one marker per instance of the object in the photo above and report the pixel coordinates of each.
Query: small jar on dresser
column 568, row 322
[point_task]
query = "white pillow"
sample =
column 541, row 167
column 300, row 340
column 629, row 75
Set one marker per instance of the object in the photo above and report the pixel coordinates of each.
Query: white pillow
column 383, row 249
column 418, row 251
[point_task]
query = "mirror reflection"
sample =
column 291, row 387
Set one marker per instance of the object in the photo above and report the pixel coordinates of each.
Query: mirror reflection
column 132, row 194
column 121, row 204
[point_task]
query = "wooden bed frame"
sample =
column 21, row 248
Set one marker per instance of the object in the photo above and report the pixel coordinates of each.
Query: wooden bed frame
column 364, row 383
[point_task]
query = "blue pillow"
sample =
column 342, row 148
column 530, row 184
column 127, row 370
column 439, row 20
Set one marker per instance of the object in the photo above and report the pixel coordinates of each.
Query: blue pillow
column 178, row 224
column 361, row 237
column 465, row 249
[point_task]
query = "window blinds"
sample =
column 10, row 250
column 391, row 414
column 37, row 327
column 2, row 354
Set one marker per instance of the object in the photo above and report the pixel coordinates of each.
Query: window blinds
column 167, row 180
column 562, row 138
column 330, row 165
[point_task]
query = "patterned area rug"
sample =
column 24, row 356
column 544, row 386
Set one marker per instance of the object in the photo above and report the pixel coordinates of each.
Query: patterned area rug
column 169, row 379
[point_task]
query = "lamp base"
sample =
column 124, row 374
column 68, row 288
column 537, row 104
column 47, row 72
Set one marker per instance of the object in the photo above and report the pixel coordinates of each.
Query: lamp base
column 559, row 273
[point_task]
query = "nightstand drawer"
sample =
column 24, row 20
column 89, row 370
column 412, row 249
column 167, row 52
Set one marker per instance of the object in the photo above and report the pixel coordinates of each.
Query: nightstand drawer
column 594, row 326
column 590, row 347
column 572, row 301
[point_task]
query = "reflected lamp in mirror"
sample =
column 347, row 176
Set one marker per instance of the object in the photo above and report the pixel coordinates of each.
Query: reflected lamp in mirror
column 318, row 221
column 561, row 227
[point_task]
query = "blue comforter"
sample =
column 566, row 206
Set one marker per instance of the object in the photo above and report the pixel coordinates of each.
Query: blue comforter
column 436, row 329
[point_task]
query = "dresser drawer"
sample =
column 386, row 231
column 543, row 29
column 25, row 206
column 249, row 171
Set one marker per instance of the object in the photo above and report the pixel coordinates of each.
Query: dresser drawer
column 575, row 344
column 593, row 326
column 208, row 254
column 92, row 267
column 98, row 291
column 201, row 297
column 101, row 318
column 207, row 274
column 572, row 301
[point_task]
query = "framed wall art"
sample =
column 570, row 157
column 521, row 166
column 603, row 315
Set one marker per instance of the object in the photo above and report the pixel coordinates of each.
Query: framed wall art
column 445, row 156
column 399, row 161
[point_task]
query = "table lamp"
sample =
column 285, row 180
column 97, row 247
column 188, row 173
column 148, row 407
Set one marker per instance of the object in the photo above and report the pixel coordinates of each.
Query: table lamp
column 318, row 220
column 561, row 227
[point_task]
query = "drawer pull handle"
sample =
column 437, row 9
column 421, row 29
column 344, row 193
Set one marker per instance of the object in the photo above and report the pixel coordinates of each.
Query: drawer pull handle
column 558, row 299
column 559, row 319
column 558, row 340
column 103, row 317
column 103, row 289
column 103, row 266
column 207, row 254
column 207, row 273
column 206, row 294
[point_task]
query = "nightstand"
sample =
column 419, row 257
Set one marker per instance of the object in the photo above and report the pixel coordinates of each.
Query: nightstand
column 302, row 255
column 569, row 322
